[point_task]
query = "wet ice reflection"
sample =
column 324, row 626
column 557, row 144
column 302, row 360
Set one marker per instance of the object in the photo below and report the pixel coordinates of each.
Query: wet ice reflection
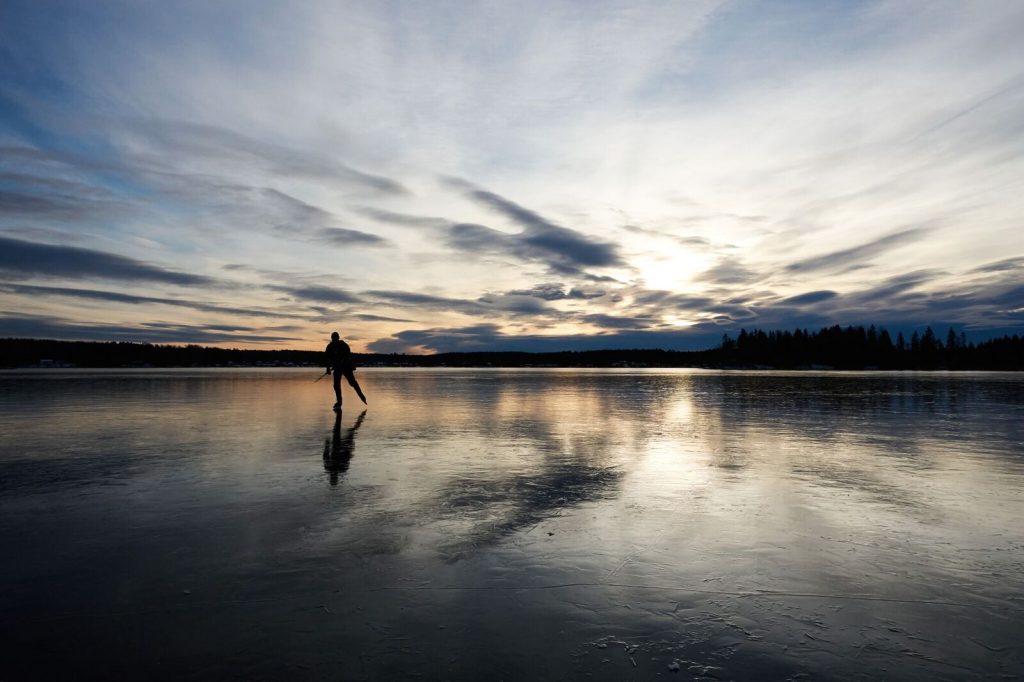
column 542, row 523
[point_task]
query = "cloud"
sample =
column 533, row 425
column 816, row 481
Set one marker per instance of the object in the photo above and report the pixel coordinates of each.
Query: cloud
column 402, row 219
column 847, row 258
column 734, row 313
column 516, row 304
column 45, row 327
column 605, row 321
column 131, row 299
column 1005, row 265
column 318, row 294
column 377, row 318
column 557, row 292
column 667, row 300
column 43, row 233
column 692, row 241
column 490, row 305
column 45, row 260
column 174, row 139
column 23, row 204
column 562, row 249
column 409, row 299
column 489, row 337
column 810, row 297
column 48, row 197
column 728, row 270
column 339, row 236
column 895, row 286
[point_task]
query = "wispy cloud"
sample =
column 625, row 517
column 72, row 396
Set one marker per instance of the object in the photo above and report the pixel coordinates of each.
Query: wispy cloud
column 318, row 294
column 131, row 299
column 563, row 249
column 847, row 258
column 171, row 139
column 46, row 260
column 46, row 327
column 810, row 297
column 340, row 236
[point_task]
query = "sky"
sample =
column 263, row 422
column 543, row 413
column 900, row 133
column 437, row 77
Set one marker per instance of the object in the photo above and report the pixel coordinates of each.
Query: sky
column 458, row 176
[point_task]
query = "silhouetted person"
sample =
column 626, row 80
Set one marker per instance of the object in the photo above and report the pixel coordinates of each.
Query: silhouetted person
column 339, row 449
column 339, row 360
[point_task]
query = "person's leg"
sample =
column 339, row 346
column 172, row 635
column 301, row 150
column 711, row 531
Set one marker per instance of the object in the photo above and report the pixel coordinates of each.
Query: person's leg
column 337, row 388
column 351, row 377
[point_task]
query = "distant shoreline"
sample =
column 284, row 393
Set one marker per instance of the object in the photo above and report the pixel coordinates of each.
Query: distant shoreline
column 751, row 370
column 833, row 348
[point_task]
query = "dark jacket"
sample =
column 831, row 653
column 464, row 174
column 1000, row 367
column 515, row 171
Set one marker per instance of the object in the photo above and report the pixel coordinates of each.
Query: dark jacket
column 339, row 357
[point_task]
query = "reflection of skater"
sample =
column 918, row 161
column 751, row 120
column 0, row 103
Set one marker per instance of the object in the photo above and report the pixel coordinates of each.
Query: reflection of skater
column 339, row 359
column 338, row 450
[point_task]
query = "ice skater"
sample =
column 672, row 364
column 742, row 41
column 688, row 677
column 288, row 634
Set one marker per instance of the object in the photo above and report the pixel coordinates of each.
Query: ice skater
column 339, row 361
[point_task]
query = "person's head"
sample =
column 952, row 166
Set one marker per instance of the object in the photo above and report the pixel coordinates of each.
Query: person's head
column 335, row 336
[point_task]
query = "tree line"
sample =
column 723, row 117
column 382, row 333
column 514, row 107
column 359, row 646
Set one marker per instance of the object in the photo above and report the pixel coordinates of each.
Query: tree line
column 871, row 348
column 830, row 347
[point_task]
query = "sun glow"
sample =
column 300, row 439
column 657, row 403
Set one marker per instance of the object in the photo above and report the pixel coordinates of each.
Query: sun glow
column 674, row 269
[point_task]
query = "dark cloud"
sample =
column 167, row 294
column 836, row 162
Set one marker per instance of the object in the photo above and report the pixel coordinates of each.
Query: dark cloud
column 566, row 248
column 31, row 196
column 548, row 292
column 618, row 322
column 735, row 313
column 810, row 297
column 1006, row 265
column 43, row 327
column 488, row 304
column 301, row 213
column 849, row 257
column 697, row 242
column 261, row 207
column 57, row 185
column 557, row 292
column 895, row 286
column 667, row 300
column 318, row 294
column 562, row 249
column 479, row 238
column 367, row 317
column 599, row 278
column 205, row 141
column 45, row 260
column 44, row 233
column 402, row 219
column 474, row 338
column 411, row 299
column 488, row 337
column 118, row 297
column 339, row 236
column 728, row 270
column 585, row 293
column 21, row 204
column 518, row 305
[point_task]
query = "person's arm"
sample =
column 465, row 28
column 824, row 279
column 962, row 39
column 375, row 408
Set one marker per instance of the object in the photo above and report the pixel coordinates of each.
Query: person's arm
column 327, row 354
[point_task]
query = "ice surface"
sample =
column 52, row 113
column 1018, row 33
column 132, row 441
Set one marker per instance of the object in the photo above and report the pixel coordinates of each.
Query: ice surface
column 521, row 524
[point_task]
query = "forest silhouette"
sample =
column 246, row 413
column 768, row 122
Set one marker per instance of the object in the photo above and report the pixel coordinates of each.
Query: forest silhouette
column 853, row 347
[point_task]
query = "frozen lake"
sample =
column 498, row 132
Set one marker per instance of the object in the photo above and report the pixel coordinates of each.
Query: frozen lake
column 511, row 524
